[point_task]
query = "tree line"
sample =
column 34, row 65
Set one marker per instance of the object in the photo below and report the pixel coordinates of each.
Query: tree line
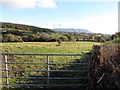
column 12, row 32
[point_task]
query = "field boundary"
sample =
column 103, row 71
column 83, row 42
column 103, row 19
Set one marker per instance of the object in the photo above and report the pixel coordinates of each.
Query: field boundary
column 48, row 63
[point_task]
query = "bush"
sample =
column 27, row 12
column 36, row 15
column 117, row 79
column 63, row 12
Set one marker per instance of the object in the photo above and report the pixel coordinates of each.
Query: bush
column 11, row 38
column 105, row 67
column 71, row 38
column 77, row 38
column 64, row 38
column 44, row 39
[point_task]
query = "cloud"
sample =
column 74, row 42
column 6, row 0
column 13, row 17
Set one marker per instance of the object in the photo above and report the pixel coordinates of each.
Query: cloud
column 15, row 4
column 47, row 4
column 107, row 24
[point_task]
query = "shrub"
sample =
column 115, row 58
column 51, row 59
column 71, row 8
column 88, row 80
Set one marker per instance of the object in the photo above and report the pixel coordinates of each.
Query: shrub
column 71, row 38
column 11, row 38
column 64, row 38
column 105, row 67
column 77, row 38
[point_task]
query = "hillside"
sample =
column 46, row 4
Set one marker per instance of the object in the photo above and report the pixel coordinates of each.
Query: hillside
column 22, row 28
column 12, row 32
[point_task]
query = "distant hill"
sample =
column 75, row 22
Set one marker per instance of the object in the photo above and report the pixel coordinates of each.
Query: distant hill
column 23, row 28
column 13, row 32
column 72, row 30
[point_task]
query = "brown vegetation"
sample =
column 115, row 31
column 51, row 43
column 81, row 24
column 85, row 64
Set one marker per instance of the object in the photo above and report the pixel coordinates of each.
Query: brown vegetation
column 105, row 67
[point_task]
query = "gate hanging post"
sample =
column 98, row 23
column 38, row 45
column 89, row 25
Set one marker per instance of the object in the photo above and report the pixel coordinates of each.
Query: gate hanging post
column 6, row 70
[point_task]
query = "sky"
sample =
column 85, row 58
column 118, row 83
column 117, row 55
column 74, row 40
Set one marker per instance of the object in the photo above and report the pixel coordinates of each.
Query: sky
column 98, row 16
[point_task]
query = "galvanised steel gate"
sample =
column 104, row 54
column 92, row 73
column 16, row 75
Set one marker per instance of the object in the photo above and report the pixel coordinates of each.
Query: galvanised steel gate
column 10, row 68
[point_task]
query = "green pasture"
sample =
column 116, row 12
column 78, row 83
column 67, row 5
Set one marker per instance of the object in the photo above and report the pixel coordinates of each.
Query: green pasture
column 44, row 48
column 48, row 47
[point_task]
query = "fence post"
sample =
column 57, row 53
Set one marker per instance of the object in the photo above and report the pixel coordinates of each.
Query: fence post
column 48, row 73
column 6, row 70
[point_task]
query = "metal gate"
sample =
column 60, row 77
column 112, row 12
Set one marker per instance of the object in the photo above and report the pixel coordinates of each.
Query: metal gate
column 17, row 72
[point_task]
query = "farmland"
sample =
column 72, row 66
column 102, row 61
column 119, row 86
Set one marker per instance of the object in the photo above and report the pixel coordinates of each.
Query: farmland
column 44, row 48
column 47, row 47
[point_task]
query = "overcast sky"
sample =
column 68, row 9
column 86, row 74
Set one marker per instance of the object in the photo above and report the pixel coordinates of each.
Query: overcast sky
column 99, row 16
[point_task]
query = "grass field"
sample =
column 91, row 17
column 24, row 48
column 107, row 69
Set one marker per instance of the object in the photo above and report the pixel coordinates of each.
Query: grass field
column 44, row 48
column 48, row 47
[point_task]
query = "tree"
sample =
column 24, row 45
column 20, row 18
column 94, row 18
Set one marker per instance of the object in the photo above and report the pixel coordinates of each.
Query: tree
column 64, row 38
column 77, row 38
column 117, row 35
column 11, row 38
column 25, row 38
column 71, row 38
